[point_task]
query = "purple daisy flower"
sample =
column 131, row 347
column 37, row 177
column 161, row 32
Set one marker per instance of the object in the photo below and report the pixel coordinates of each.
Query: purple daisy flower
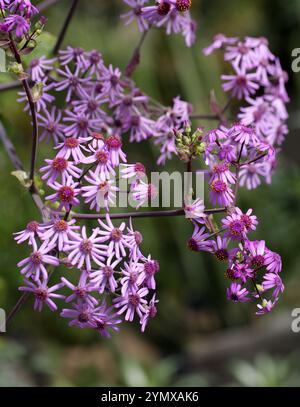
column 59, row 167
column 272, row 280
column 105, row 319
column 72, row 147
column 241, row 84
column 132, row 303
column 50, row 122
column 237, row 294
column 130, row 277
column 34, row 265
column 146, row 276
column 17, row 23
column 33, row 230
column 39, row 67
column 99, row 193
column 221, row 193
column 150, row 313
column 265, row 307
column 43, row 294
column 133, row 241
column 136, row 13
column 104, row 277
column 218, row 42
column 58, row 232
column 81, row 291
column 83, row 249
column 66, row 194
column 198, row 242
column 273, row 262
column 115, row 236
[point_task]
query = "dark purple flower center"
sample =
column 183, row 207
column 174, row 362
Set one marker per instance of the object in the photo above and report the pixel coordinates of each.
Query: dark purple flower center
column 251, row 169
column 60, row 225
column 34, row 63
column 234, row 297
column 221, row 254
column 152, row 311
column 59, row 164
column 192, row 244
column 41, row 294
column 138, row 238
column 258, row 261
column 82, row 124
column 139, row 168
column 133, row 277
column 137, row 10
column 135, row 121
column 32, row 226
column 218, row 186
column 243, row 49
column 107, row 271
column 236, row 227
column 163, row 8
column 230, row 273
column 66, row 194
column 116, row 235
column 114, row 80
column 246, row 221
column 183, row 5
column 86, row 246
column 36, row 258
column 134, row 299
column 84, row 316
column 71, row 142
column 241, row 80
column 92, row 105
column 102, row 157
column 151, row 267
column 127, row 101
column 114, row 142
column 80, row 292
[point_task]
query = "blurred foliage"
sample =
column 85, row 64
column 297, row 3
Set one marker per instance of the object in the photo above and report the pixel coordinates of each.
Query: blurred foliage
column 40, row 349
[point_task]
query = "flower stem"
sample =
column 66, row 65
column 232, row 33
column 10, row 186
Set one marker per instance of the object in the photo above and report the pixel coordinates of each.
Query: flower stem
column 65, row 27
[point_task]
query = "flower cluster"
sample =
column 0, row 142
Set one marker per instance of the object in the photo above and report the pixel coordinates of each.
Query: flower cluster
column 86, row 110
column 174, row 15
column 111, row 269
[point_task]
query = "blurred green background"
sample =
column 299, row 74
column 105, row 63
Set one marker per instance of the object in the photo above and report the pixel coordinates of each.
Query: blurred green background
column 198, row 338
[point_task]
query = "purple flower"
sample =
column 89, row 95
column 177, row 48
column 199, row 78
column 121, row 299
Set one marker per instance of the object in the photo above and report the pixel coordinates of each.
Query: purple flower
column 100, row 193
column 58, row 231
column 81, row 314
column 80, row 125
column 77, row 55
column 149, row 268
column 81, row 291
column 150, row 313
column 66, row 194
column 72, row 82
column 17, row 23
column 198, row 240
column 219, row 41
column 143, row 193
column 50, row 122
column 257, row 250
column 104, row 168
column 112, row 86
column 195, row 210
column 115, row 236
column 249, row 174
column 272, row 280
column 130, row 277
column 235, row 227
column 273, row 262
column 114, row 146
column 104, row 277
column 220, row 249
column 33, row 230
column 265, row 307
column 237, row 294
column 221, row 171
column 133, row 241
column 34, row 265
column 136, row 12
column 104, row 320
column 220, row 193
column 241, row 84
column 83, row 249
column 38, row 68
column 59, row 167
column 243, row 134
column 72, row 147
column 43, row 294
column 132, row 303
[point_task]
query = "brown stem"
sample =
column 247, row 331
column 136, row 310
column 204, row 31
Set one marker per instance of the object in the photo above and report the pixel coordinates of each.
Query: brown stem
column 254, row 160
column 33, row 114
column 65, row 27
column 146, row 214
column 135, row 59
